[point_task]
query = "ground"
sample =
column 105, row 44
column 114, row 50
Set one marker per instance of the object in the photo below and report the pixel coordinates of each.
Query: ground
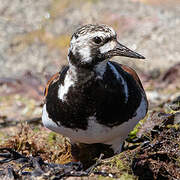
column 34, row 38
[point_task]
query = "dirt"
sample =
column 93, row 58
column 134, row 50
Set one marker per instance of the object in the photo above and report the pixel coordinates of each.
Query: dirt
column 158, row 157
column 153, row 154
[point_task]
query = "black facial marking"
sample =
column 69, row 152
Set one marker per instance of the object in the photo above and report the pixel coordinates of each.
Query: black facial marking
column 76, row 36
column 108, row 39
column 75, row 59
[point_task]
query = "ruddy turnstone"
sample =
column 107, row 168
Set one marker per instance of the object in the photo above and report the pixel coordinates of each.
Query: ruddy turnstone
column 94, row 101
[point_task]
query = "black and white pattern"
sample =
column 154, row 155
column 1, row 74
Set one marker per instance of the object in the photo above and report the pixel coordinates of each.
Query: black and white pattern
column 95, row 100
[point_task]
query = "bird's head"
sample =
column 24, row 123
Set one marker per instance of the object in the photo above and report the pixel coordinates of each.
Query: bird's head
column 91, row 44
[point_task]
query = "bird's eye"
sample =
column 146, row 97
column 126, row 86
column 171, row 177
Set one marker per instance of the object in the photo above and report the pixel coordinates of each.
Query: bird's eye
column 97, row 40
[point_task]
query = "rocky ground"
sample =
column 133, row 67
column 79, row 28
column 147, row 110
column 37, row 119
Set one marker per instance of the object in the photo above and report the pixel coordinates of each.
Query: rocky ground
column 34, row 38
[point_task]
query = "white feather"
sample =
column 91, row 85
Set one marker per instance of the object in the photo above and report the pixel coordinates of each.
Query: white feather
column 107, row 47
column 63, row 89
column 85, row 54
column 69, row 81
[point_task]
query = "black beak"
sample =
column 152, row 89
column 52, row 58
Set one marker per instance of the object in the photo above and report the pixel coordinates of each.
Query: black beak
column 121, row 50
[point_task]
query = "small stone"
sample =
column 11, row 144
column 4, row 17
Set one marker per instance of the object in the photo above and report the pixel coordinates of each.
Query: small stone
column 175, row 104
column 177, row 118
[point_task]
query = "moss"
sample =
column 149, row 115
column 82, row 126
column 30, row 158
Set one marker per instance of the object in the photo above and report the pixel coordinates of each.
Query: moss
column 102, row 177
column 133, row 133
column 120, row 164
column 52, row 137
column 175, row 126
column 36, row 129
column 168, row 110
column 127, row 176
column 178, row 161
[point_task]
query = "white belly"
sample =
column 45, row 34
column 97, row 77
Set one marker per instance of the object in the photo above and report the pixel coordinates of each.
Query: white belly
column 95, row 132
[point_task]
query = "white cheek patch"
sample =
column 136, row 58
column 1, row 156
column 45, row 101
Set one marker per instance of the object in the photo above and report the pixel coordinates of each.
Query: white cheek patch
column 85, row 54
column 82, row 47
column 107, row 47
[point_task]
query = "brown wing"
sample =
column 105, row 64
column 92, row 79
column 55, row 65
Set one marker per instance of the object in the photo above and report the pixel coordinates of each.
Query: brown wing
column 133, row 73
column 53, row 79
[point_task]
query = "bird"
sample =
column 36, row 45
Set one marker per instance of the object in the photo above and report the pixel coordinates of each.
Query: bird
column 95, row 101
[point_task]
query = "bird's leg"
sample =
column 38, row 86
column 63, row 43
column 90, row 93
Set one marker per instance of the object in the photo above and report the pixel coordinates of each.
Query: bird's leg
column 75, row 152
column 87, row 154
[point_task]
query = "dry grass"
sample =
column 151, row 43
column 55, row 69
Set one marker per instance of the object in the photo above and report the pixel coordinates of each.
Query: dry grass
column 38, row 142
